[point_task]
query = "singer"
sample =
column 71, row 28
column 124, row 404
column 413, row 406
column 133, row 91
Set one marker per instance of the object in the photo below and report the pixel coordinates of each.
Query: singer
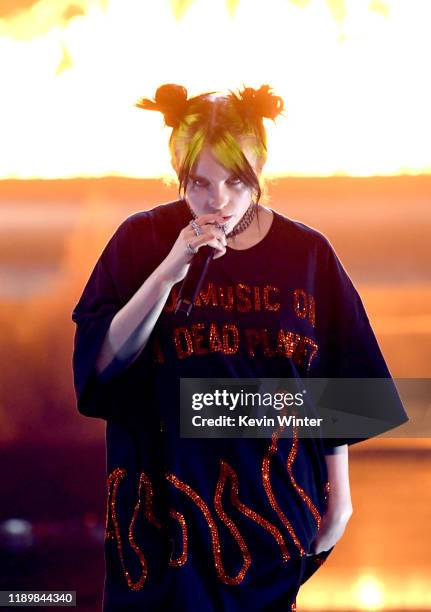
column 216, row 524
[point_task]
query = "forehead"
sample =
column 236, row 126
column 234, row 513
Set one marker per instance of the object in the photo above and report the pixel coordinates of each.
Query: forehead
column 207, row 165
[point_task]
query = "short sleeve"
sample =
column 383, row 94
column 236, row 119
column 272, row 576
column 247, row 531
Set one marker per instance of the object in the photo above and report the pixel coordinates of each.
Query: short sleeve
column 102, row 298
column 351, row 351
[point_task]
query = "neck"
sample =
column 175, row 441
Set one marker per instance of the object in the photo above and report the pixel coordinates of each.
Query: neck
column 245, row 221
column 248, row 233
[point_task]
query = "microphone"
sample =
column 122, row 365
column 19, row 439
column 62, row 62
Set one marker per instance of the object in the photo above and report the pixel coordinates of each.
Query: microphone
column 194, row 278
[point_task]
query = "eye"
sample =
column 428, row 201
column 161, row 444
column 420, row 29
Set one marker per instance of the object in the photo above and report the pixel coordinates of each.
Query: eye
column 234, row 180
column 197, row 182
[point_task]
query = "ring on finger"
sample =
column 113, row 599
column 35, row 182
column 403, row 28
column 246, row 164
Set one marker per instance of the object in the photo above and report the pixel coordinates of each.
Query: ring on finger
column 221, row 226
column 196, row 227
column 193, row 250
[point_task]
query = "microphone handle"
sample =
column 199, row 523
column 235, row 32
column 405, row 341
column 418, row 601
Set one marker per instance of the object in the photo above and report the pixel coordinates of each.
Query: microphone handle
column 194, row 278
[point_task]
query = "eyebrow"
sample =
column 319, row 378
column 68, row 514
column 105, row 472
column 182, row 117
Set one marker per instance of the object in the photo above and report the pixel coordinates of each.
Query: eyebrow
column 204, row 178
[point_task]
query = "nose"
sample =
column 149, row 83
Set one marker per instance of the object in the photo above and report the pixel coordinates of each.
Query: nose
column 218, row 199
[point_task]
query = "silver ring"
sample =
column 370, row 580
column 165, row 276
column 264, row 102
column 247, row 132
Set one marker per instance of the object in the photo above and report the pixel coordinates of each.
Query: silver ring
column 221, row 226
column 196, row 228
column 191, row 249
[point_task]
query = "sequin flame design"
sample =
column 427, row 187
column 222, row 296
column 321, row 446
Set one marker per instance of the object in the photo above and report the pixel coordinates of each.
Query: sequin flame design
column 270, row 493
column 227, row 477
column 179, row 561
column 215, row 540
column 303, row 495
column 114, row 480
column 227, row 472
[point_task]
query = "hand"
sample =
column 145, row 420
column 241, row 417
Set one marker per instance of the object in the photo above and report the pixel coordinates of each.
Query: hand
column 332, row 527
column 176, row 264
column 339, row 504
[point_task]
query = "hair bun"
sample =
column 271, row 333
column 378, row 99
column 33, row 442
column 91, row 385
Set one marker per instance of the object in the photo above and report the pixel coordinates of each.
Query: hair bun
column 260, row 102
column 171, row 100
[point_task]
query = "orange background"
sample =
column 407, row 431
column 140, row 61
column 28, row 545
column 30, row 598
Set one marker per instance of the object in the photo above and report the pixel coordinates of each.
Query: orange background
column 351, row 158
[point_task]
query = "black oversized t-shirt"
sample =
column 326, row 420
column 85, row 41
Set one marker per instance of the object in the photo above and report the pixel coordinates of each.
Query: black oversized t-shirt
column 218, row 524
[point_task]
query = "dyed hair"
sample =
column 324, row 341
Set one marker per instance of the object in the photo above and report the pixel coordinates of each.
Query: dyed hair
column 223, row 123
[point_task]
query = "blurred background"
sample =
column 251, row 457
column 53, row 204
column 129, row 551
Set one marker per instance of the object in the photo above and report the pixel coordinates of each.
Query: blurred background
column 350, row 158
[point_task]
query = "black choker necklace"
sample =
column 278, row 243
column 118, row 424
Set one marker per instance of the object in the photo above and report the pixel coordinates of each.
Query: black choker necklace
column 242, row 224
